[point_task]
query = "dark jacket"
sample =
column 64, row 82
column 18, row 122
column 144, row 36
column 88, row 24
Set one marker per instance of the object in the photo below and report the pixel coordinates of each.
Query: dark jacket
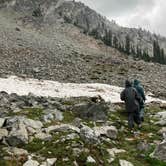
column 131, row 98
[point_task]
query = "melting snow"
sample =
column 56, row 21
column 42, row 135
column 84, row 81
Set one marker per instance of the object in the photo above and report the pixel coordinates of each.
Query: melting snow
column 23, row 86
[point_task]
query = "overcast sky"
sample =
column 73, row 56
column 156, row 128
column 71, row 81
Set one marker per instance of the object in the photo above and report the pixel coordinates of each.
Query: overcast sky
column 148, row 14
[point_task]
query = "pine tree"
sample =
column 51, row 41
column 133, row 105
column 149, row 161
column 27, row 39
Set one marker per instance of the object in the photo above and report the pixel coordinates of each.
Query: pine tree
column 108, row 38
column 115, row 42
column 127, row 45
column 162, row 60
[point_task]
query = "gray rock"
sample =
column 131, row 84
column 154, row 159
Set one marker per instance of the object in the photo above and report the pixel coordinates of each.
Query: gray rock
column 43, row 136
column 77, row 122
column 2, row 120
column 18, row 135
column 163, row 132
column 125, row 163
column 143, row 146
column 58, row 115
column 3, row 133
column 112, row 152
column 91, row 110
column 35, row 124
column 72, row 136
column 90, row 159
column 51, row 161
column 162, row 122
column 88, row 135
column 62, row 127
column 48, row 118
column 161, row 115
column 109, row 131
column 160, row 151
column 31, row 163
column 16, row 151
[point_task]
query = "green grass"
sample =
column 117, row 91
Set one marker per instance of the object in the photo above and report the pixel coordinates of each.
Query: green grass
column 31, row 113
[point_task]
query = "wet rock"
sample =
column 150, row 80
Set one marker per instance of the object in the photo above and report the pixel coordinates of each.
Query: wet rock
column 125, row 163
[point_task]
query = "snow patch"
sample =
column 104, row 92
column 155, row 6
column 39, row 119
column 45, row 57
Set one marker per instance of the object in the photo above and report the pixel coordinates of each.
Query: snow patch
column 24, row 86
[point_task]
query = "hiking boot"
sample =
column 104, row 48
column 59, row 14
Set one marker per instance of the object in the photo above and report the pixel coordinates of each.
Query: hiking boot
column 139, row 126
column 142, row 119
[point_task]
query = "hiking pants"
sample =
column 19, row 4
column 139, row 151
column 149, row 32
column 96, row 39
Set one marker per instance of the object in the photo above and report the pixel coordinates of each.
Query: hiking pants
column 133, row 117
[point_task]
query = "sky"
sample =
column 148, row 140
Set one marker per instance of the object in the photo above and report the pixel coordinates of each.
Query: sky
column 148, row 14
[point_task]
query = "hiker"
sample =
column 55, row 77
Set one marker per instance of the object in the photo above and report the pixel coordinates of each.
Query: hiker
column 140, row 90
column 130, row 96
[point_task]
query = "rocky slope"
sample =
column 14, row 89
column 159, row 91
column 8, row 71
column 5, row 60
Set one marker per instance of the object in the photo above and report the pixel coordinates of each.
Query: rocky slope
column 77, row 131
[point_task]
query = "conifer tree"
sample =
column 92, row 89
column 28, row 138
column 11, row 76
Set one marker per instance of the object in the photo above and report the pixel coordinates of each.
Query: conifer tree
column 127, row 45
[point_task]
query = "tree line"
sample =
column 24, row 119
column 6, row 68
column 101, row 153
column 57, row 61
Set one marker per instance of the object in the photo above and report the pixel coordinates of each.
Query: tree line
column 128, row 48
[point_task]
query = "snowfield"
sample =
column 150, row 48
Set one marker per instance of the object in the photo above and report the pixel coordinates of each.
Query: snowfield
column 23, row 86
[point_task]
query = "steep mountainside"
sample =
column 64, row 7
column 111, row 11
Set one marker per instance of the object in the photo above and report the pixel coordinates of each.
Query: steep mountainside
column 88, row 20
column 36, row 41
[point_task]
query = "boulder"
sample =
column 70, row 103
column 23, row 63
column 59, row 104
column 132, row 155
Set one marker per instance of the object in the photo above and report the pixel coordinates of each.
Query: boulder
column 88, row 135
column 91, row 111
column 109, row 131
column 32, row 123
column 18, row 135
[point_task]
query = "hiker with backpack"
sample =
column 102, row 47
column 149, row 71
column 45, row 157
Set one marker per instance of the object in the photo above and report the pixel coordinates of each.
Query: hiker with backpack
column 131, row 98
column 137, row 85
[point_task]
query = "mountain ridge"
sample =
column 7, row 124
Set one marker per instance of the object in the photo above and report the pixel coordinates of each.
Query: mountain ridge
column 89, row 21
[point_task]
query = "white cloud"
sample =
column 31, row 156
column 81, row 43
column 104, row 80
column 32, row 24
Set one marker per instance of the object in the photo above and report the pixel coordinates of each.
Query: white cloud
column 148, row 14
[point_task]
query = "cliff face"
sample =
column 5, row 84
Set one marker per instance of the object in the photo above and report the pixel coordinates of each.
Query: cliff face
column 51, row 11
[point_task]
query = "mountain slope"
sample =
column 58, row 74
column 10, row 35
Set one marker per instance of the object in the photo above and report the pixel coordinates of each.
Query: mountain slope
column 87, row 19
column 45, row 48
